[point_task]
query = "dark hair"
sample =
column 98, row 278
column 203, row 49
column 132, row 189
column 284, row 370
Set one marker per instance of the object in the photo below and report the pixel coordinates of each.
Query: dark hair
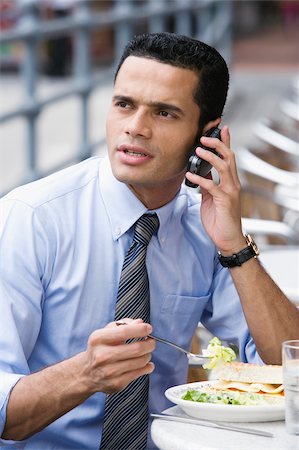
column 187, row 53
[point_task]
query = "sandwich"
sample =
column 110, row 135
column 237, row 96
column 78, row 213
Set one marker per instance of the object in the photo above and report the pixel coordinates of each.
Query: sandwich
column 244, row 377
column 240, row 383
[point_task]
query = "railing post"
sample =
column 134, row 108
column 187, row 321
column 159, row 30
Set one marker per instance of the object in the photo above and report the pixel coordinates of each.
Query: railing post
column 183, row 20
column 224, row 43
column 29, row 20
column 157, row 23
column 123, row 31
column 82, row 68
column 203, row 20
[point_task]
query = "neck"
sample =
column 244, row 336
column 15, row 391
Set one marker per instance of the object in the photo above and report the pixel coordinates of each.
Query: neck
column 154, row 198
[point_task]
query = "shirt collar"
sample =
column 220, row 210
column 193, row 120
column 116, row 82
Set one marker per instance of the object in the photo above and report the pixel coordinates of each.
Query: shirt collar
column 124, row 208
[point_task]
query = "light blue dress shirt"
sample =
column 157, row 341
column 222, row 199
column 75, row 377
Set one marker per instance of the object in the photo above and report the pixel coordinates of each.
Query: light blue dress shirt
column 63, row 242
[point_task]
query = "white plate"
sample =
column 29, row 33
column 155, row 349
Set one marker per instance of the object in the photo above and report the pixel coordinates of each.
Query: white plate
column 226, row 413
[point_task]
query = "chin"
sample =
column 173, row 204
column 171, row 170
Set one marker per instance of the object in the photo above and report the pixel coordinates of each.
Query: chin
column 125, row 175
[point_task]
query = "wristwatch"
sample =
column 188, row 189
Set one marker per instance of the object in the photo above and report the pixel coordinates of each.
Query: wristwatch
column 237, row 259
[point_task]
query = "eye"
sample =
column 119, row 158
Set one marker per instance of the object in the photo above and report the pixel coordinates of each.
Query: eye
column 165, row 114
column 122, row 104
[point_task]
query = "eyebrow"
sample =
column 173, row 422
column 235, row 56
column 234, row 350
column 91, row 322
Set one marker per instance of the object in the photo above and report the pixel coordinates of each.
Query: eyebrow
column 158, row 105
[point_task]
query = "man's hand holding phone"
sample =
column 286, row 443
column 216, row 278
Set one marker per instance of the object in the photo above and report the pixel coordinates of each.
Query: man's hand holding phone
column 221, row 205
column 198, row 165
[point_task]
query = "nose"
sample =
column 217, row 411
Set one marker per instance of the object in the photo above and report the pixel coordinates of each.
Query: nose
column 138, row 125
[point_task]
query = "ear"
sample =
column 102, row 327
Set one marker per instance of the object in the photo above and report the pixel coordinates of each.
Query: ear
column 212, row 124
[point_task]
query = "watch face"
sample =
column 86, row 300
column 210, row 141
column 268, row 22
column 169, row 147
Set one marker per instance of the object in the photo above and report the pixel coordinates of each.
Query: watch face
column 252, row 244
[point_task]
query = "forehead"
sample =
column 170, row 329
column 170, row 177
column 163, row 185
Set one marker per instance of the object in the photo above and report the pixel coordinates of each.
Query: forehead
column 163, row 82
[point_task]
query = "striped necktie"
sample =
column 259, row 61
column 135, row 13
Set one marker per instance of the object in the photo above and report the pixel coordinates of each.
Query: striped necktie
column 126, row 412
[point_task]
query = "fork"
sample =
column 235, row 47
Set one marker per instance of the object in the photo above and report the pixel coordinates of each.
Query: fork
column 187, row 353
column 172, row 344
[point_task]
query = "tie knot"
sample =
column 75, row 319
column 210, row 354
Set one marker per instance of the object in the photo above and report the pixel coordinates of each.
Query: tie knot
column 145, row 227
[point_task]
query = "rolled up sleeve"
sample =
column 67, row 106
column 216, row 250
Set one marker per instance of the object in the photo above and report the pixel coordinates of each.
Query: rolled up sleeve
column 21, row 294
column 8, row 381
column 224, row 317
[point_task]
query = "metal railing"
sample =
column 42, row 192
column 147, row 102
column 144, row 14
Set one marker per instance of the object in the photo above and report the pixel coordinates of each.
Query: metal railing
column 208, row 20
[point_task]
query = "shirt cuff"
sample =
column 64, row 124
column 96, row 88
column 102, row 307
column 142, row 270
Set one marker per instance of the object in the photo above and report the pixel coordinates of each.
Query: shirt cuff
column 7, row 381
column 251, row 355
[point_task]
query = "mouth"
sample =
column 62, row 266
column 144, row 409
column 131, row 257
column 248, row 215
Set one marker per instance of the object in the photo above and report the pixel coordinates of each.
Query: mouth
column 133, row 150
column 128, row 152
column 133, row 155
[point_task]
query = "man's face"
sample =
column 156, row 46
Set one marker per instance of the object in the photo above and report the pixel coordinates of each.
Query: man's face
column 151, row 125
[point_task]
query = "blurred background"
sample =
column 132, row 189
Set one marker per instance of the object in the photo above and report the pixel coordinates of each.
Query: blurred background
column 57, row 59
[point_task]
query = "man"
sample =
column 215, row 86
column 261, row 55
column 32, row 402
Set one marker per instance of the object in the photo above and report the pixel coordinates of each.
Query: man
column 64, row 241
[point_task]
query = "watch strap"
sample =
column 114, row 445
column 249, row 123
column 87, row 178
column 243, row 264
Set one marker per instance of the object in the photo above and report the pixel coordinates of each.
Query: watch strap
column 237, row 259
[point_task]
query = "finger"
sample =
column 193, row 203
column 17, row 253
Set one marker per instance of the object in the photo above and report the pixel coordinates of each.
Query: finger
column 225, row 136
column 223, row 167
column 203, row 191
column 221, row 146
column 104, row 359
column 122, row 382
column 234, row 172
column 209, row 156
column 139, row 371
column 116, row 335
column 128, row 320
column 206, row 184
column 125, row 352
column 124, row 321
column 119, row 368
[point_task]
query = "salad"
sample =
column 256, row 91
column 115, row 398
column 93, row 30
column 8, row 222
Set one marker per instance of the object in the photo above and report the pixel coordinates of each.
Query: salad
column 217, row 354
column 229, row 398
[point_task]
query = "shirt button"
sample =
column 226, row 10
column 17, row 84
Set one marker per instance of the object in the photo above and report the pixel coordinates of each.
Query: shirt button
column 162, row 239
column 117, row 231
